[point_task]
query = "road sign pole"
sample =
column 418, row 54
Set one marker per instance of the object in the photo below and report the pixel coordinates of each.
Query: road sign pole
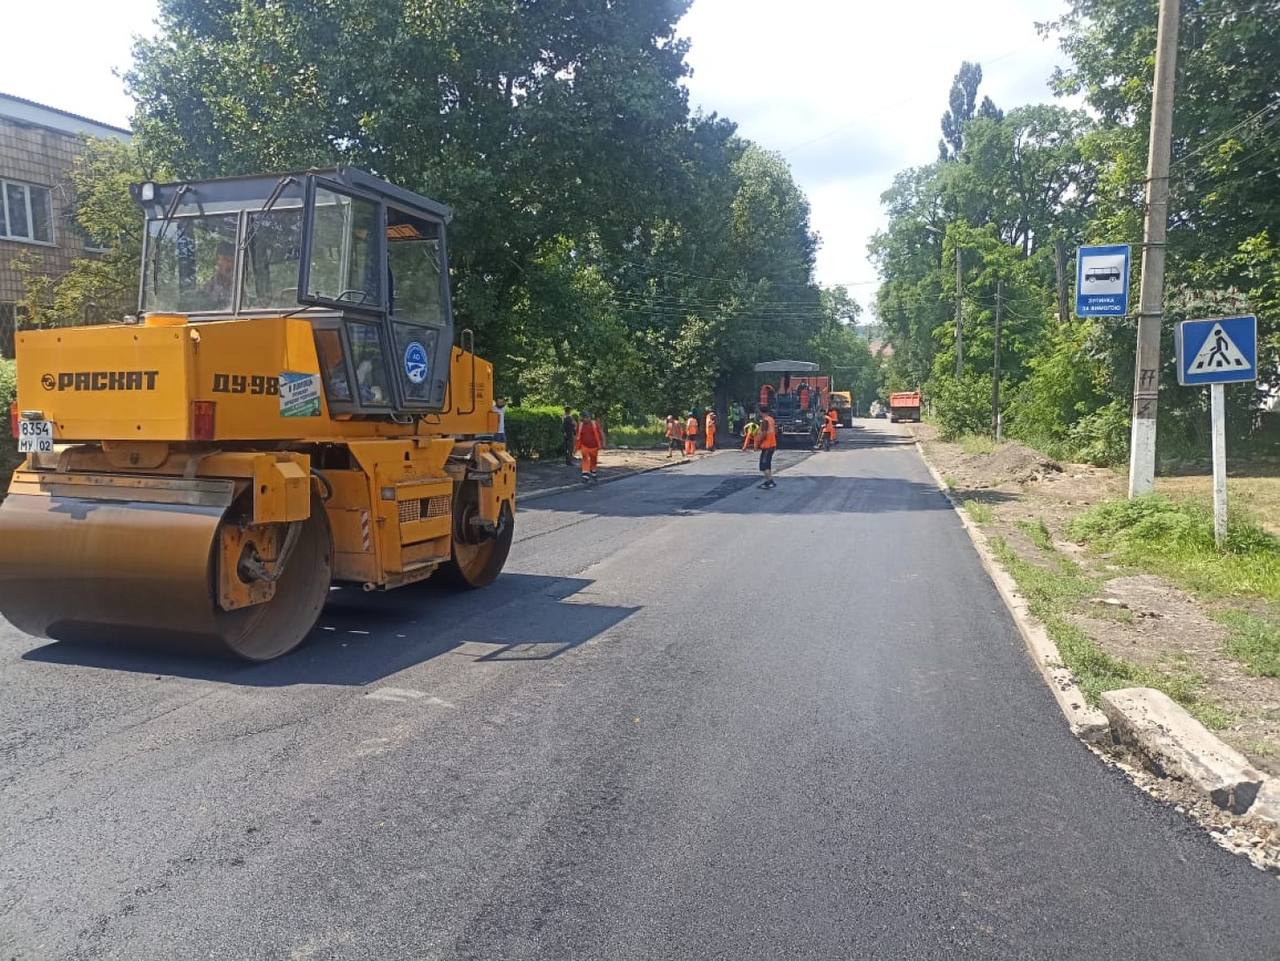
column 1146, row 373
column 1218, row 414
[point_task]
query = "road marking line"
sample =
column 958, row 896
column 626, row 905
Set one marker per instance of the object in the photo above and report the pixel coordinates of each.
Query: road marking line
column 404, row 695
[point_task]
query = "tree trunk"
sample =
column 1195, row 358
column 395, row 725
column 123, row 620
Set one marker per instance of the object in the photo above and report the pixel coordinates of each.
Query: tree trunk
column 1060, row 274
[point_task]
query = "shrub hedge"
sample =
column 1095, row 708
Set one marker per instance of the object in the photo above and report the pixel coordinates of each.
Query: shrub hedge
column 534, row 431
column 8, row 446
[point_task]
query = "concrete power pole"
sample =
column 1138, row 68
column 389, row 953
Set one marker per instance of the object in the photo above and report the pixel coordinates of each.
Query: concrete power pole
column 1146, row 372
column 959, row 314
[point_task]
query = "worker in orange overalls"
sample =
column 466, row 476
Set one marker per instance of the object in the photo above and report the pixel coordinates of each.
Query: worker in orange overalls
column 750, row 431
column 691, row 435
column 768, row 443
column 829, row 429
column 711, row 430
column 590, row 440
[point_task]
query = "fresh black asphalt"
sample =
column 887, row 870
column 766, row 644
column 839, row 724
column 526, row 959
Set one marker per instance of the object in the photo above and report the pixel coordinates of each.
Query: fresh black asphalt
column 694, row 720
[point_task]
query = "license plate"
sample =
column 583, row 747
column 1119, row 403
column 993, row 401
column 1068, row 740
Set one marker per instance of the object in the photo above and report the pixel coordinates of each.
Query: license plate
column 35, row 436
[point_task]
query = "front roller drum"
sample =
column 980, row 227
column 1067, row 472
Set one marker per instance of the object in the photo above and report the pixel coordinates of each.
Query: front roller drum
column 139, row 573
column 479, row 552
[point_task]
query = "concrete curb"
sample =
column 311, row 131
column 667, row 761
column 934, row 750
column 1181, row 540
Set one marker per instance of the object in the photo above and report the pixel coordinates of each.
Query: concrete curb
column 549, row 491
column 1087, row 723
column 1181, row 747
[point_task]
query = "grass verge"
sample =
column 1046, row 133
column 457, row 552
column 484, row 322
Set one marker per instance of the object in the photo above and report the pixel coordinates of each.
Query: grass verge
column 1052, row 593
column 979, row 511
column 1254, row 641
column 976, row 444
column 1174, row 539
column 653, row 434
column 1038, row 533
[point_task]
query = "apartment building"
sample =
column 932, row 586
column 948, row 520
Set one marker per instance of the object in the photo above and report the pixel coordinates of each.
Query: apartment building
column 38, row 145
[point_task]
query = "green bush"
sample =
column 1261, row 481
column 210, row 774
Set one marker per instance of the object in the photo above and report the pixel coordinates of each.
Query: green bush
column 8, row 383
column 8, row 447
column 961, row 405
column 1101, row 438
column 652, row 433
column 534, row 431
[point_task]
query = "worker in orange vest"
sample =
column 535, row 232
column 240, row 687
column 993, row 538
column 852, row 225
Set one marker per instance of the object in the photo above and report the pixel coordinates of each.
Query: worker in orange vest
column 590, row 440
column 768, row 443
column 711, row 430
column 691, row 435
column 829, row 429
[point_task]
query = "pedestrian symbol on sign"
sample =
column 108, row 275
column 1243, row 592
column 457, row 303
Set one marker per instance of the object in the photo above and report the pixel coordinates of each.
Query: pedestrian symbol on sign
column 1219, row 352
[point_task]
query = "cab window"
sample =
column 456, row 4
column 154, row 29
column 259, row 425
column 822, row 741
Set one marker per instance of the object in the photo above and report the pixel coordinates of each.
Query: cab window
column 368, row 357
column 272, row 258
column 415, row 274
column 343, row 266
column 191, row 264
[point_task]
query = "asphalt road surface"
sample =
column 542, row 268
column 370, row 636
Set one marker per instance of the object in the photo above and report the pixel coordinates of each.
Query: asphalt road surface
column 694, row 720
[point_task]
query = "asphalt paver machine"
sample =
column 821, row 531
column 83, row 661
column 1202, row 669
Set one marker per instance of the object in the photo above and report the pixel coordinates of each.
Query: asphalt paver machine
column 797, row 395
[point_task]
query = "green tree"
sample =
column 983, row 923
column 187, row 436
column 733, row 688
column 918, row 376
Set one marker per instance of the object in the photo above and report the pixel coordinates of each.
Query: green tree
column 104, row 286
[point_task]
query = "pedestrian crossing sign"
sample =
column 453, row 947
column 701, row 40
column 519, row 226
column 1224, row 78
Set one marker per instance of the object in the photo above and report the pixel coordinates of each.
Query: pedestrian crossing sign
column 1223, row 350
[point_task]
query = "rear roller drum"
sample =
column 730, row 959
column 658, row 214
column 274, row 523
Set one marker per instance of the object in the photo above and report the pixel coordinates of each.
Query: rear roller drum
column 145, row 574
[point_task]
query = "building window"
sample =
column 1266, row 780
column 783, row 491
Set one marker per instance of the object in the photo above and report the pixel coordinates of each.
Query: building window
column 28, row 212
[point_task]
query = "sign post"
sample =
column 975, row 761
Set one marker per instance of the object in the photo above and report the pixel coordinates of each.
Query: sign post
column 1218, row 351
column 1218, row 420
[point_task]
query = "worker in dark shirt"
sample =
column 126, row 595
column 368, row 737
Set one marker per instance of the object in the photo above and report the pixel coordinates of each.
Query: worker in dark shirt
column 569, row 428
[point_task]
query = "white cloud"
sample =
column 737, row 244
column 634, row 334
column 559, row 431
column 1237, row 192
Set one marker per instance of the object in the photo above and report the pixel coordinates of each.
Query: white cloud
column 852, row 92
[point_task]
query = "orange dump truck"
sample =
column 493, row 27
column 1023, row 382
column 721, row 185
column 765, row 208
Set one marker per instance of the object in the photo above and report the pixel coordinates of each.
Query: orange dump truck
column 904, row 405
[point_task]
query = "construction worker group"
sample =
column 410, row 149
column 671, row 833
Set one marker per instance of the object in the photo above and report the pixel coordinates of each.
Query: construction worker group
column 585, row 438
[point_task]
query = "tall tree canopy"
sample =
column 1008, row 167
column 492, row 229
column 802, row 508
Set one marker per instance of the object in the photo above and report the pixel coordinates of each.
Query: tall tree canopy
column 608, row 248
column 1014, row 192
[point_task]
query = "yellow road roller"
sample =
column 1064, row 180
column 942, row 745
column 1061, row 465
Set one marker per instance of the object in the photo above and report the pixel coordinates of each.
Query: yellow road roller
column 287, row 410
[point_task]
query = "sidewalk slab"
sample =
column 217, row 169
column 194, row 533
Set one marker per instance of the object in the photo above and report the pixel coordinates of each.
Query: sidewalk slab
column 1180, row 746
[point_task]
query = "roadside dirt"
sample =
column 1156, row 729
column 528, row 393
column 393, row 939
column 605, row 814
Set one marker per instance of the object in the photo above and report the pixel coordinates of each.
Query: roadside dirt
column 1134, row 616
column 537, row 475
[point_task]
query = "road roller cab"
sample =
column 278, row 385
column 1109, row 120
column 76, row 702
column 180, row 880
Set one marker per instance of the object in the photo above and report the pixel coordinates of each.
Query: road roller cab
column 287, row 408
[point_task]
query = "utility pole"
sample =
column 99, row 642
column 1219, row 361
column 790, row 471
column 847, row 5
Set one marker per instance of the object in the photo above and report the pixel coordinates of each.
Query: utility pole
column 959, row 314
column 1146, row 372
column 995, row 367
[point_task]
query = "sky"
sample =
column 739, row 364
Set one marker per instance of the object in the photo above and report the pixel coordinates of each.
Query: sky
column 851, row 91
column 848, row 91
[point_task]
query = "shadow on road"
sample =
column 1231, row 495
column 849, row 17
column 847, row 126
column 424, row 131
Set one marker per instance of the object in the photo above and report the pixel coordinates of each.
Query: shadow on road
column 713, row 493
column 364, row 637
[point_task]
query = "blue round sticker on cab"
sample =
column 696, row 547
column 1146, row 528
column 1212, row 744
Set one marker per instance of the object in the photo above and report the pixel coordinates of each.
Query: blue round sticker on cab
column 415, row 362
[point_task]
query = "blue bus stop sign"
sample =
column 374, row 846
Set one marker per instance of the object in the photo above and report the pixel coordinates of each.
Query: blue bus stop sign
column 1217, row 351
column 1102, row 281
